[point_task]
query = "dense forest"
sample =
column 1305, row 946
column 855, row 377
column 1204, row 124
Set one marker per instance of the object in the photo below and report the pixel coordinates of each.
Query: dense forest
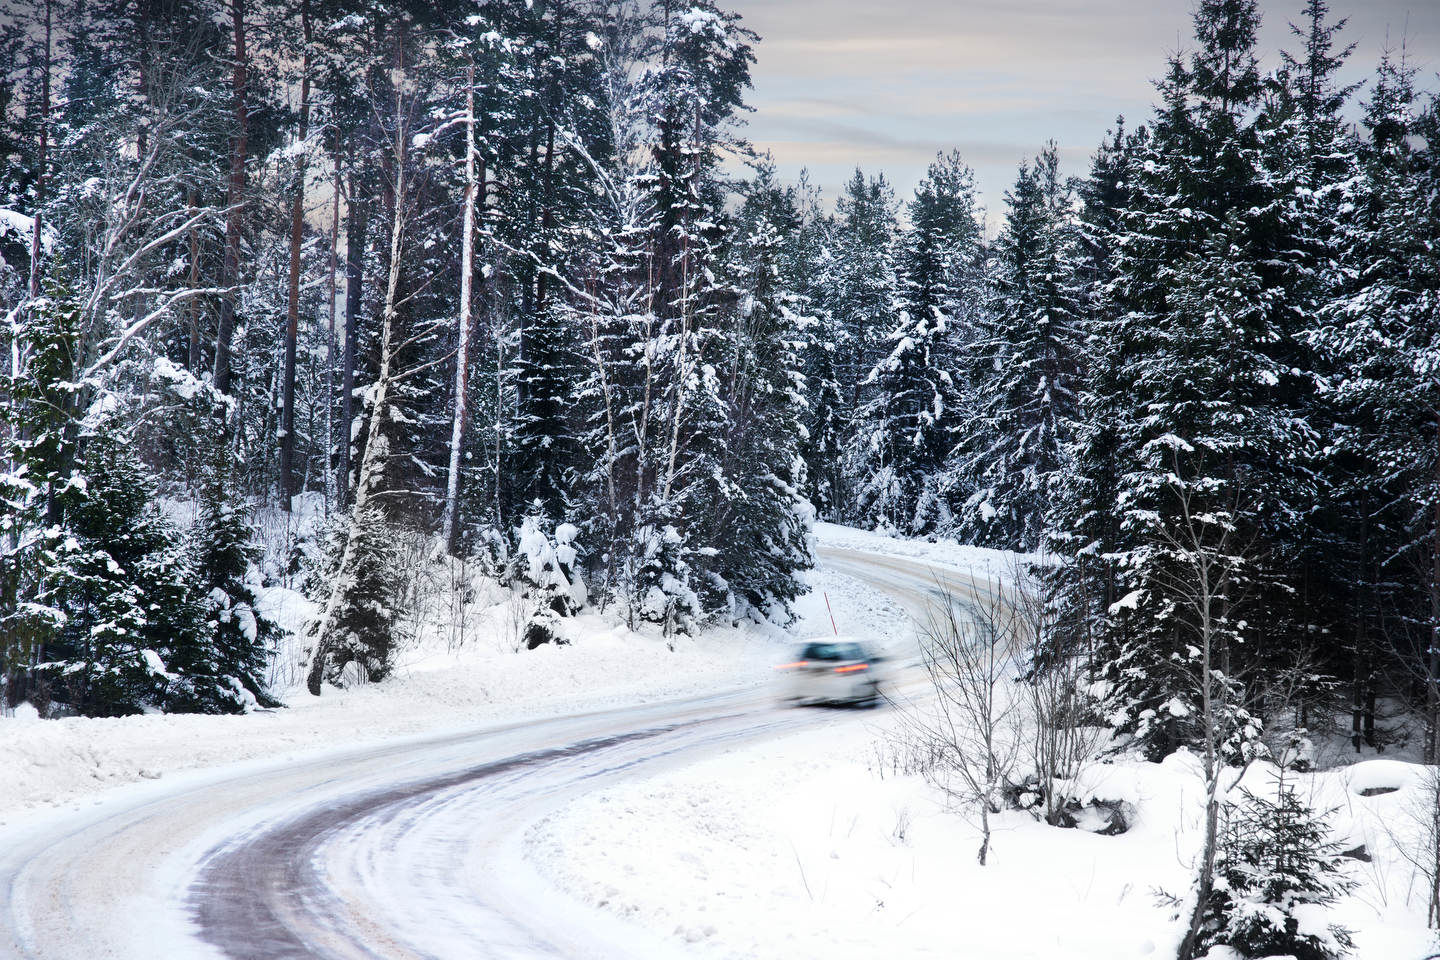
column 508, row 275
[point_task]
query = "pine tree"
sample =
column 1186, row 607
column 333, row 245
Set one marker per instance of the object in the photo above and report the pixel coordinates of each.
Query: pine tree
column 1276, row 860
column 1205, row 402
column 41, row 434
column 864, row 302
column 1013, row 446
column 940, row 270
column 1086, row 528
column 224, row 669
column 810, row 266
column 112, row 579
column 1377, row 339
column 1309, row 158
column 757, row 508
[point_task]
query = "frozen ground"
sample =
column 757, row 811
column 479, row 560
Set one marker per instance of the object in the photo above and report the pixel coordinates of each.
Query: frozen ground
column 820, row 843
column 755, row 833
column 810, row 846
column 444, row 681
column 947, row 555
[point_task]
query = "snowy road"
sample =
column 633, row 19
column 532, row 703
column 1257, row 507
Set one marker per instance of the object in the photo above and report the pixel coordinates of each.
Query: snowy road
column 410, row 849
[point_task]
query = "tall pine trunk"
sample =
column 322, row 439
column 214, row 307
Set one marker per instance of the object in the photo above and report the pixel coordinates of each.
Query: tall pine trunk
column 462, row 332
column 357, row 215
column 40, row 178
column 231, row 267
column 1432, row 653
column 292, row 314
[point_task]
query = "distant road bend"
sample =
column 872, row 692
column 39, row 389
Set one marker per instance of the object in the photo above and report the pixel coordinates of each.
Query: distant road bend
column 410, row 849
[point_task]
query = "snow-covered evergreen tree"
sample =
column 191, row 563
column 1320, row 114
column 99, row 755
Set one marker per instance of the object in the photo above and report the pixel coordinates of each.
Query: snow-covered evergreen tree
column 1378, row 335
column 917, row 377
column 1277, row 868
column 757, row 509
column 112, row 582
column 224, row 669
column 864, row 302
column 1205, row 406
column 1022, row 372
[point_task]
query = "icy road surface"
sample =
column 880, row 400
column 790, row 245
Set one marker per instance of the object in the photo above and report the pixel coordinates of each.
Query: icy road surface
column 411, row 849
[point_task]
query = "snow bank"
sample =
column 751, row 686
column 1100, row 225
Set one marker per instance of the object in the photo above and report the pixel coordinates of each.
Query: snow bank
column 54, row 761
column 462, row 670
column 811, row 846
column 1000, row 565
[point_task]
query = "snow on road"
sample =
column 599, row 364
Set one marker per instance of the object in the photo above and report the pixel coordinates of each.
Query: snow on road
column 824, row 842
column 52, row 762
column 602, row 799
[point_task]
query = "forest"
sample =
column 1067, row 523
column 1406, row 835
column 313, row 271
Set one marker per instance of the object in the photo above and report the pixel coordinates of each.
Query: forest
column 509, row 277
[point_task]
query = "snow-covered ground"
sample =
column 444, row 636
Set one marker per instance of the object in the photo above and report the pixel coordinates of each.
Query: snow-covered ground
column 441, row 682
column 51, row 761
column 812, row 845
column 815, row 843
column 820, row 843
column 979, row 562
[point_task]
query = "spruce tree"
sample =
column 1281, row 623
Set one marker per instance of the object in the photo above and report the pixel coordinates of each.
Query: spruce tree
column 1207, row 406
column 224, row 669
column 865, row 304
column 757, row 508
column 1023, row 371
column 115, row 573
column 1276, row 861
column 917, row 377
column 1377, row 337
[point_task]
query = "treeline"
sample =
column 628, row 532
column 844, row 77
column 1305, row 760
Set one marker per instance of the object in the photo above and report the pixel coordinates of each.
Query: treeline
column 468, row 268
column 488, row 271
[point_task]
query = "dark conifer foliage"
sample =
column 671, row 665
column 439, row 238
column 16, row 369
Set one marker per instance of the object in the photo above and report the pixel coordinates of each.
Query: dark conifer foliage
column 508, row 277
column 1022, row 365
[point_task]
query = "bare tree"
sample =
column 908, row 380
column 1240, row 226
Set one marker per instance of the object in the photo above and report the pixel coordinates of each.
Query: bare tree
column 1416, row 837
column 1061, row 740
column 970, row 727
column 462, row 330
column 1210, row 567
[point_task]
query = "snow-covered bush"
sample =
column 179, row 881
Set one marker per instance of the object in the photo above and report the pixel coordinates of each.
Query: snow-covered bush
column 547, row 564
column 1275, row 874
column 661, row 587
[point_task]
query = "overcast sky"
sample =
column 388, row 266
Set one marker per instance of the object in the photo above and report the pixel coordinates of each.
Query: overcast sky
column 887, row 83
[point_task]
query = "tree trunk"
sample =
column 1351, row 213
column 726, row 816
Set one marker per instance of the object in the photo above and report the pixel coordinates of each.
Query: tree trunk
column 192, row 309
column 330, row 342
column 1205, row 883
column 40, row 179
column 357, row 215
column 292, row 313
column 231, row 269
column 1432, row 654
column 462, row 332
column 372, row 460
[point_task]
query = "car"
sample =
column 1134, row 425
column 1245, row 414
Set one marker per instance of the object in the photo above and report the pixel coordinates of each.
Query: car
column 834, row 670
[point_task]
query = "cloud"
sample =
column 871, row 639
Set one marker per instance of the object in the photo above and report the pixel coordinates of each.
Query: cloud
column 887, row 85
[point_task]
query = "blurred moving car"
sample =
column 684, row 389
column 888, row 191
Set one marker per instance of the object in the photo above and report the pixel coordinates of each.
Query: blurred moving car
column 838, row 671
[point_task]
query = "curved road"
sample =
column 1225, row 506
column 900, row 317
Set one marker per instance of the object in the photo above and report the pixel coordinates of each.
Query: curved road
column 412, row 849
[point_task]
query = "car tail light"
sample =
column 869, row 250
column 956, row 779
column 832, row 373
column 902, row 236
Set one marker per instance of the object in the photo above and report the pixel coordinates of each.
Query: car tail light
column 852, row 668
column 789, row 666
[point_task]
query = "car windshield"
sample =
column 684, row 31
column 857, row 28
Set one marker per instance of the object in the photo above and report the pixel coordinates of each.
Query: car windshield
column 833, row 651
